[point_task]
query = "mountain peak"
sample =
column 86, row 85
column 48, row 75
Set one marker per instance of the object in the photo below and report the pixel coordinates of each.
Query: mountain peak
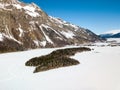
column 25, row 26
column 9, row 1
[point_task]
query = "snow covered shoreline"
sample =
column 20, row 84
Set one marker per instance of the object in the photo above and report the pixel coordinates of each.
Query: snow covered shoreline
column 99, row 70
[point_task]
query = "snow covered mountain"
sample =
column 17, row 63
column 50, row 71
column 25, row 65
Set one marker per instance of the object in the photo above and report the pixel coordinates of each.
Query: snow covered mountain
column 111, row 34
column 26, row 26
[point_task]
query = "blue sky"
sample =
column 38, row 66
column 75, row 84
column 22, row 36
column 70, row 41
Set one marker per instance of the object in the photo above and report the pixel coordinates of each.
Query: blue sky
column 97, row 15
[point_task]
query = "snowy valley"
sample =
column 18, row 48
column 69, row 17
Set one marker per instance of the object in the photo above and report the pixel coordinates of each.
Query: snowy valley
column 27, row 32
column 98, row 70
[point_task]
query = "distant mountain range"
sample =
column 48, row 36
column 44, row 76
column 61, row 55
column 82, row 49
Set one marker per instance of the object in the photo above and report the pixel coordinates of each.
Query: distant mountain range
column 26, row 26
column 111, row 34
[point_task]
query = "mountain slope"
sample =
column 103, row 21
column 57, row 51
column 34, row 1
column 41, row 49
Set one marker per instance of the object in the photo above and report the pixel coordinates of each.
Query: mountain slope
column 111, row 34
column 116, row 35
column 26, row 26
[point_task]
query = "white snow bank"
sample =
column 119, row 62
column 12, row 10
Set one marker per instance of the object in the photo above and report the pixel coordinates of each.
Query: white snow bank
column 36, row 42
column 30, row 10
column 21, row 32
column 68, row 34
column 18, row 6
column 43, row 43
column 1, row 37
column 99, row 70
column 114, row 39
column 101, row 44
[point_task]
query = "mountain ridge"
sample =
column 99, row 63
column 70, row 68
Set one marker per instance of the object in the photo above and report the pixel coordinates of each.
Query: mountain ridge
column 111, row 34
column 26, row 26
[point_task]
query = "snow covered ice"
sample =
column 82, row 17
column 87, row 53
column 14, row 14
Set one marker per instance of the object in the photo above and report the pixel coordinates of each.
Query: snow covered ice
column 99, row 70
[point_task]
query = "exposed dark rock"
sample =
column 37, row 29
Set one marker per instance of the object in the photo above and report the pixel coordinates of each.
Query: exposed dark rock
column 56, row 63
column 56, row 59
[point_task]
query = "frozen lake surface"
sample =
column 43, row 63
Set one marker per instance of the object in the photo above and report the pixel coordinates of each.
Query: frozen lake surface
column 99, row 70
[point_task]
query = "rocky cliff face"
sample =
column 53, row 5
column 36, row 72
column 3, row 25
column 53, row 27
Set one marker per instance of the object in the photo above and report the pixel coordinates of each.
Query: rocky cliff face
column 26, row 26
